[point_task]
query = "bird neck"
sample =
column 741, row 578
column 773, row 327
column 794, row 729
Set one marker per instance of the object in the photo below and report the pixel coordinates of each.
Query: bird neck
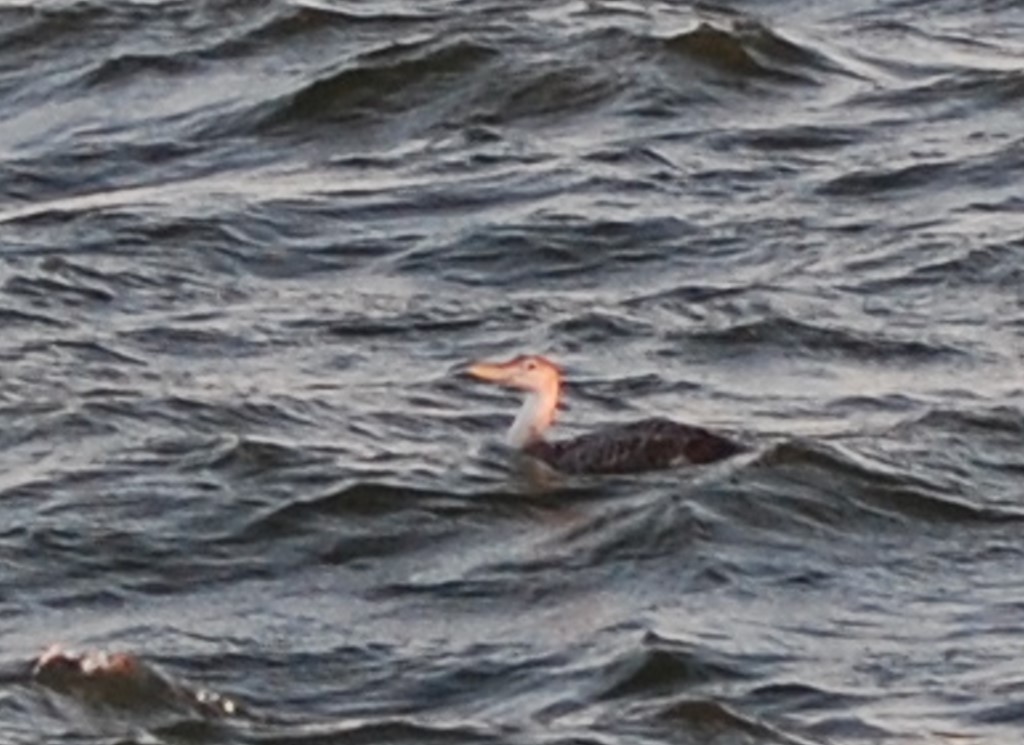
column 534, row 418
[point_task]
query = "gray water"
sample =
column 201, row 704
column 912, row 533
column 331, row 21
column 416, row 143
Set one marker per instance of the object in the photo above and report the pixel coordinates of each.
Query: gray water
column 247, row 249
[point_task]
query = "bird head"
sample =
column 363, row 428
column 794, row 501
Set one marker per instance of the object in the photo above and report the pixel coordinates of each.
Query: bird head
column 540, row 379
column 531, row 373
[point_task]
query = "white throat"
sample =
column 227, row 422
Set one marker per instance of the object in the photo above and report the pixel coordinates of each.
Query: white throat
column 533, row 419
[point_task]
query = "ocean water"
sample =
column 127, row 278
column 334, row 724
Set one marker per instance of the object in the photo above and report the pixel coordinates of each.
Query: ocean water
column 248, row 248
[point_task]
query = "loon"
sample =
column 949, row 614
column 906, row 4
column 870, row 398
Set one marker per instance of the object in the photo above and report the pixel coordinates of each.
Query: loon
column 645, row 445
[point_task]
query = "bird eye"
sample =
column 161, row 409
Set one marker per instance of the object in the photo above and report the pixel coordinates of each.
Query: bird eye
column 531, row 365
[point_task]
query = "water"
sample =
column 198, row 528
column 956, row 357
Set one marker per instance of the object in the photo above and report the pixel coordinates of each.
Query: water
column 247, row 248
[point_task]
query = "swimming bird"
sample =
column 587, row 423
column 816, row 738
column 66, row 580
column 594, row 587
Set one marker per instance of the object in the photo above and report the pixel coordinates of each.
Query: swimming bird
column 626, row 448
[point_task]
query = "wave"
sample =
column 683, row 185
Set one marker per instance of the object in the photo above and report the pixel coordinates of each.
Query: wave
column 368, row 499
column 879, row 182
column 358, row 325
column 953, row 91
column 75, row 294
column 662, row 665
column 777, row 697
column 442, row 81
column 948, row 262
column 13, row 318
column 748, row 50
column 122, row 68
column 383, row 81
column 791, row 335
column 792, row 137
column 598, row 327
column 365, row 730
column 1004, row 421
column 837, row 487
column 988, row 266
column 709, row 718
column 344, row 74
column 545, row 249
column 306, row 23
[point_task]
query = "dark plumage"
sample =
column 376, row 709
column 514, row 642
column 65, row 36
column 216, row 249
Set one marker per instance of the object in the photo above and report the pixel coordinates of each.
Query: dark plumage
column 646, row 445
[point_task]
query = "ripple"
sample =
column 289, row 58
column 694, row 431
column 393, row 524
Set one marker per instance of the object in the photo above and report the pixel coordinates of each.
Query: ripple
column 51, row 291
column 190, row 341
column 14, row 317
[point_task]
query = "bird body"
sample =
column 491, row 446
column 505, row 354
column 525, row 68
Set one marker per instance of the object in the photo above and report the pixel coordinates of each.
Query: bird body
column 645, row 445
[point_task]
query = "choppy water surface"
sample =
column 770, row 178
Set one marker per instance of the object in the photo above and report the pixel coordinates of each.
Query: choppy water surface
column 247, row 247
